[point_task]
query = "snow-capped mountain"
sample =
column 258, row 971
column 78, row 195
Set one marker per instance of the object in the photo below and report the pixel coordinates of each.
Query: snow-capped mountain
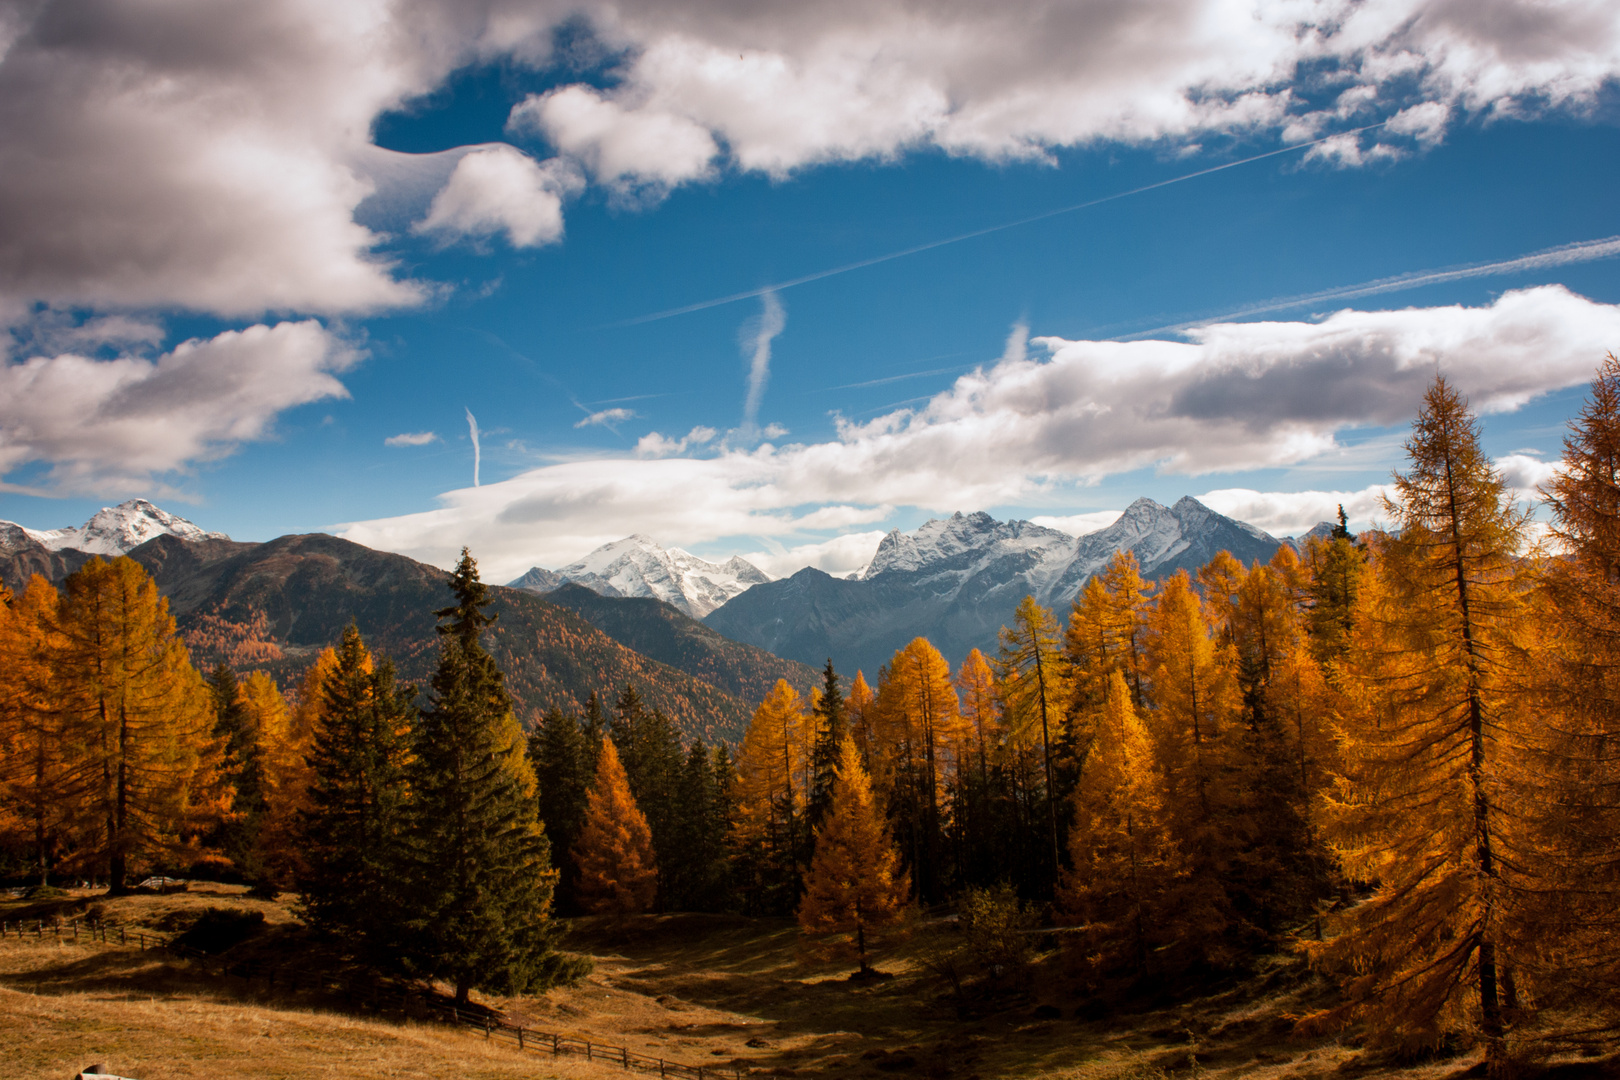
column 638, row 566
column 112, row 530
column 957, row 580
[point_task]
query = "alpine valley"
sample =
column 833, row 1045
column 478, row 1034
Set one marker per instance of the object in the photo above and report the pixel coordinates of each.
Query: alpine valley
column 628, row 612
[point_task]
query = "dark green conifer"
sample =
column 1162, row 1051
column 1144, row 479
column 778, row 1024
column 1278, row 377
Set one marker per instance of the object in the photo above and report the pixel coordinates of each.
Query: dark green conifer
column 697, row 878
column 832, row 725
column 564, row 767
column 350, row 835
column 480, row 867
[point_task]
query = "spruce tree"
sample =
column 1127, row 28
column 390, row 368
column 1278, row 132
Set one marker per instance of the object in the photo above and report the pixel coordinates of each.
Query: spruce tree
column 563, row 771
column 855, row 892
column 479, row 907
column 618, row 871
column 831, row 726
column 694, row 867
column 350, row 832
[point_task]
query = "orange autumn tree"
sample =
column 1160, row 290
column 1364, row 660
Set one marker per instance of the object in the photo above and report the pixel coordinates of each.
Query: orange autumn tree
column 38, row 784
column 769, row 830
column 1124, row 864
column 855, row 893
column 1430, row 802
column 138, row 715
column 618, row 873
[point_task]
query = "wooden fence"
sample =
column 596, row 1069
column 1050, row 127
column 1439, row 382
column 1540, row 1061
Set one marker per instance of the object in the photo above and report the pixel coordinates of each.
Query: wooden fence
column 408, row 1000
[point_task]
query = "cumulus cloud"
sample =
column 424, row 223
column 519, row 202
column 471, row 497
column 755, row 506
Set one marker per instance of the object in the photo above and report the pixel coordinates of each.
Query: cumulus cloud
column 1294, row 513
column 1078, row 524
column 842, row 556
column 499, row 189
column 126, row 423
column 784, row 87
column 1044, row 418
column 629, row 149
column 606, row 418
column 419, row 438
column 654, row 445
column 189, row 154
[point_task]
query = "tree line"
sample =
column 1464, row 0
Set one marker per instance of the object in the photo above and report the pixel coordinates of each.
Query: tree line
column 410, row 830
column 1396, row 751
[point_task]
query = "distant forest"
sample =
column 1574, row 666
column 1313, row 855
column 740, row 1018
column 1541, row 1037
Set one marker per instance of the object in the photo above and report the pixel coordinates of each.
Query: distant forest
column 1398, row 752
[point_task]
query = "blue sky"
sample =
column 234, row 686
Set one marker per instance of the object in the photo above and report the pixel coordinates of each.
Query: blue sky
column 321, row 239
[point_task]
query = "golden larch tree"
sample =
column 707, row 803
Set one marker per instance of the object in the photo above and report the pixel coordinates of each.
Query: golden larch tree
column 1035, row 693
column 918, row 726
column 855, row 891
column 1425, row 806
column 1576, row 657
column 40, row 781
column 1123, row 863
column 618, row 871
column 139, row 714
column 769, row 826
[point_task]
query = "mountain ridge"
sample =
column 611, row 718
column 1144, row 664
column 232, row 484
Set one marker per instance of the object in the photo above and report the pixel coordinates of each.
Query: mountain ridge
column 957, row 581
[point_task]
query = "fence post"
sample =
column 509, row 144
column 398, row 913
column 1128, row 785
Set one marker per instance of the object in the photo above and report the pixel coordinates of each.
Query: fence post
column 660, row 1066
column 520, row 1036
column 624, row 1056
column 486, row 1027
column 587, row 1049
column 555, row 1046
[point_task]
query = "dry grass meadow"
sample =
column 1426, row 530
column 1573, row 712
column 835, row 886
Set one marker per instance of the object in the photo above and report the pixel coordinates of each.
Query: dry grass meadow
column 715, row 990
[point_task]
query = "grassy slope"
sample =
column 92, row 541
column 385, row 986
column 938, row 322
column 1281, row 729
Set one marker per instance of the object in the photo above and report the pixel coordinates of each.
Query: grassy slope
column 690, row 988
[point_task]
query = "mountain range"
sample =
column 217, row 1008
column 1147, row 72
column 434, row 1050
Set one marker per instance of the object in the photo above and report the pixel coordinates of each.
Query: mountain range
column 957, row 580
column 275, row 605
column 626, row 611
column 638, row 566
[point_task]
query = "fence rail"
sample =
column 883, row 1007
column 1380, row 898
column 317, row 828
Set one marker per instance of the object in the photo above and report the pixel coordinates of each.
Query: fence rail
column 409, row 1000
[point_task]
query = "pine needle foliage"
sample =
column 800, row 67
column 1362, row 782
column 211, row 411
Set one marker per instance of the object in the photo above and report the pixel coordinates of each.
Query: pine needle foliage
column 351, row 831
column 480, row 867
column 855, row 892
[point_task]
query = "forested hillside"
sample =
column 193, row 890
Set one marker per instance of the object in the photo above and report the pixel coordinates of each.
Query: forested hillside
column 657, row 630
column 274, row 606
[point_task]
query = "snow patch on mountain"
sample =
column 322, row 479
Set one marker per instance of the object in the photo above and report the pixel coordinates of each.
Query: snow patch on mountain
column 112, row 530
column 1052, row 566
column 638, row 566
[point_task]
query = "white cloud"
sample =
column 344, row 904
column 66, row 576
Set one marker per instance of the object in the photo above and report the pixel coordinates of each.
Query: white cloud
column 419, row 438
column 841, row 556
column 785, row 87
column 1028, row 429
column 498, row 189
column 125, row 424
column 1078, row 524
column 1294, row 513
column 1525, row 474
column 205, row 157
column 621, row 147
column 654, row 445
column 606, row 418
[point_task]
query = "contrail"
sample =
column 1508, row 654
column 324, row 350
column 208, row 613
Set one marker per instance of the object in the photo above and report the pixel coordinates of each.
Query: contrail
column 472, row 426
column 1565, row 254
column 986, row 231
column 758, row 334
